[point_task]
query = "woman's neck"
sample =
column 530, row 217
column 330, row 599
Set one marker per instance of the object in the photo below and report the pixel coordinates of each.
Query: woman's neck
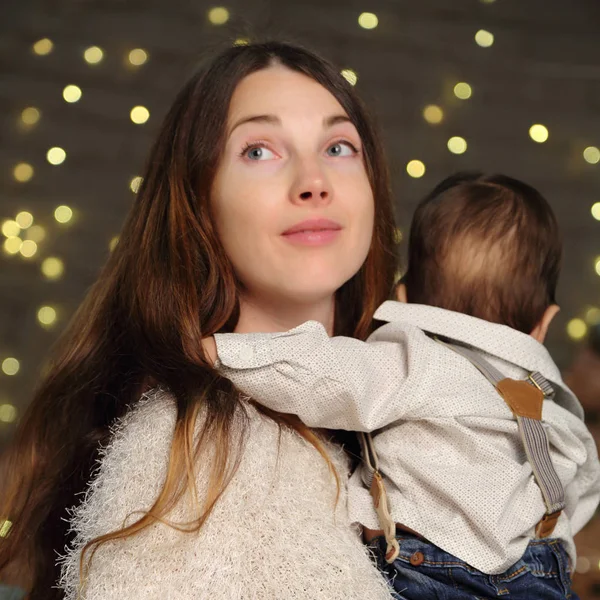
column 267, row 317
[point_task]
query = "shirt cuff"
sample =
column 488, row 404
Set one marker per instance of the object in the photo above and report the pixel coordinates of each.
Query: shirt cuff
column 255, row 350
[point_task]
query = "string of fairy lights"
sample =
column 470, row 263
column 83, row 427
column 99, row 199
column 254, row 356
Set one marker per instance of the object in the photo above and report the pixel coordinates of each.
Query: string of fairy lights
column 23, row 238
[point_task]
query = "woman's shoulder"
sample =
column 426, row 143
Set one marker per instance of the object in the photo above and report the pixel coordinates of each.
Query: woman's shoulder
column 275, row 525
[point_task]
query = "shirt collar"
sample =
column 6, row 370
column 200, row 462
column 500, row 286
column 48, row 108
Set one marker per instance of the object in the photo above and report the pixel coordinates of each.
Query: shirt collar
column 497, row 340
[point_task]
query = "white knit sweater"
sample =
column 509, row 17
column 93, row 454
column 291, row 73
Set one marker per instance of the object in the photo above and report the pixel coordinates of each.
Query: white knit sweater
column 273, row 534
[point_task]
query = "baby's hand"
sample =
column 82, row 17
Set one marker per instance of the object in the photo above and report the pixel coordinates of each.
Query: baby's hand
column 210, row 349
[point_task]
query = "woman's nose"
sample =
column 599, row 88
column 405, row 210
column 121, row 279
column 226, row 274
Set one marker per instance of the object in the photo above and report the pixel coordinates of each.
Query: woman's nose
column 311, row 186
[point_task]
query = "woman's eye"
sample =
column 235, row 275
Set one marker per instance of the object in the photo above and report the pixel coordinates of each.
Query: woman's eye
column 341, row 149
column 259, row 153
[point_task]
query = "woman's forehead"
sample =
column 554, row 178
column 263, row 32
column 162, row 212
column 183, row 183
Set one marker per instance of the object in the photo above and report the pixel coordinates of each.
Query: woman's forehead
column 283, row 93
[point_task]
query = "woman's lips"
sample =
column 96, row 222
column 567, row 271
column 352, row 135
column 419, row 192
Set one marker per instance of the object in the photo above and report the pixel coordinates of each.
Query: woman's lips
column 313, row 232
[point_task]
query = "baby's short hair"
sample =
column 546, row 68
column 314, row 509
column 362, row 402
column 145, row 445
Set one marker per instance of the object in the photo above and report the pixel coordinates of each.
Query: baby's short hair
column 487, row 246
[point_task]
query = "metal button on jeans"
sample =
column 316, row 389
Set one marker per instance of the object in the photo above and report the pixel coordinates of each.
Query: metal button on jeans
column 417, row 559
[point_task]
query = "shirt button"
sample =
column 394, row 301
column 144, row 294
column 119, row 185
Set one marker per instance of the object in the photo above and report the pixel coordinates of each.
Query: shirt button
column 246, row 354
column 417, row 559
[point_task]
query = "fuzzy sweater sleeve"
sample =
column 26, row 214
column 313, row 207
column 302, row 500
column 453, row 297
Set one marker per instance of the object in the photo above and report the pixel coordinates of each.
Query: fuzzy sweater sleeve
column 276, row 531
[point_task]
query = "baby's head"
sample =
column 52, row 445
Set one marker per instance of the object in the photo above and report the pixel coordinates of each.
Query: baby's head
column 486, row 246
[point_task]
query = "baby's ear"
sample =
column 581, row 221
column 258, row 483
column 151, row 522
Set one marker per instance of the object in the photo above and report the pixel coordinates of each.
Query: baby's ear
column 401, row 293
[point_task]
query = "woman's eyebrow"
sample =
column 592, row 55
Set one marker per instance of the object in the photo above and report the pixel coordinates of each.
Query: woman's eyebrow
column 270, row 119
column 335, row 119
column 275, row 120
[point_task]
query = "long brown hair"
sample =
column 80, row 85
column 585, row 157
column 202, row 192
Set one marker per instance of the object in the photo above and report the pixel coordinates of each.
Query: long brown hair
column 167, row 284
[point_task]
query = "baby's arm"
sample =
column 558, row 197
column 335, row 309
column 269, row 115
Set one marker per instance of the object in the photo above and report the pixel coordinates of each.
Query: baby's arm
column 331, row 382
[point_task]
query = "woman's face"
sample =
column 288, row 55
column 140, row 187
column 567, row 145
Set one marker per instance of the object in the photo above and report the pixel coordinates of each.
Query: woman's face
column 291, row 198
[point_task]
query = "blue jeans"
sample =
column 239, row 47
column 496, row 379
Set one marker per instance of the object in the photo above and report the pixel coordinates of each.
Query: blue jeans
column 423, row 571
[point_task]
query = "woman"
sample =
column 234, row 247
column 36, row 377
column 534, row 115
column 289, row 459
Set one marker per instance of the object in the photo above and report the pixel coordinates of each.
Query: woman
column 265, row 203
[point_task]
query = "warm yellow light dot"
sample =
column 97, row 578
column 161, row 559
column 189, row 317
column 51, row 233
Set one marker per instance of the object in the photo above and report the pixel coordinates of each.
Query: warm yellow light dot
column 12, row 245
column 36, row 233
column 457, row 145
column 139, row 114
column 93, row 55
column 398, row 235
column 23, row 172
column 433, row 114
column 415, row 168
column 484, row 38
column 52, row 267
column 30, row 116
column 46, row 315
column 596, row 211
column 137, row 57
column 350, row 76
column 463, row 90
column 24, row 219
column 10, row 366
column 538, row 133
column 368, row 20
column 597, row 265
column 241, row 42
column 63, row 214
column 135, row 183
column 113, row 243
column 10, row 228
column 8, row 414
column 72, row 93
column 56, row 156
column 28, row 248
column 592, row 155
column 576, row 329
column 218, row 15
column 488, row 1
column 592, row 315
column 43, row 47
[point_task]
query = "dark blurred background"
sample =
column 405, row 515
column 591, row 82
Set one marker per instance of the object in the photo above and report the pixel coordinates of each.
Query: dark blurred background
column 508, row 86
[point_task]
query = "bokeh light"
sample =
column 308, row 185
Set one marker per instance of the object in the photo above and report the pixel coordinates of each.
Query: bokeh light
column 577, row 329
column 484, row 38
column 30, row 116
column 350, row 76
column 93, row 55
column 218, row 15
column 63, row 214
column 433, row 114
column 8, row 414
column 137, row 57
column 10, row 228
column 135, row 183
column 591, row 155
column 457, row 145
column 596, row 211
column 28, row 248
column 43, row 47
column 36, row 233
column 139, row 114
column 12, row 245
column 10, row 366
column 368, row 20
column 538, row 133
column 52, row 267
column 46, row 316
column 415, row 168
column 72, row 93
column 56, row 156
column 463, row 90
column 23, row 172
column 24, row 219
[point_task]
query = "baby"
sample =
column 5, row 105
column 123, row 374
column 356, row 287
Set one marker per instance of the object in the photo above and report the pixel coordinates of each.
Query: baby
column 484, row 496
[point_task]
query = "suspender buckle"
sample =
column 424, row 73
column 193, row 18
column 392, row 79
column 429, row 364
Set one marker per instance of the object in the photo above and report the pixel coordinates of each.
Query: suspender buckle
column 546, row 526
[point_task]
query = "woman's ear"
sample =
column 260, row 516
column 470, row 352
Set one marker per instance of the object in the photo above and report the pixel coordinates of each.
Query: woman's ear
column 541, row 329
column 401, row 293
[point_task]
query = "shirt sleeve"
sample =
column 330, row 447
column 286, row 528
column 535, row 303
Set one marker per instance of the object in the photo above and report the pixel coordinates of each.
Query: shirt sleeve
column 330, row 382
